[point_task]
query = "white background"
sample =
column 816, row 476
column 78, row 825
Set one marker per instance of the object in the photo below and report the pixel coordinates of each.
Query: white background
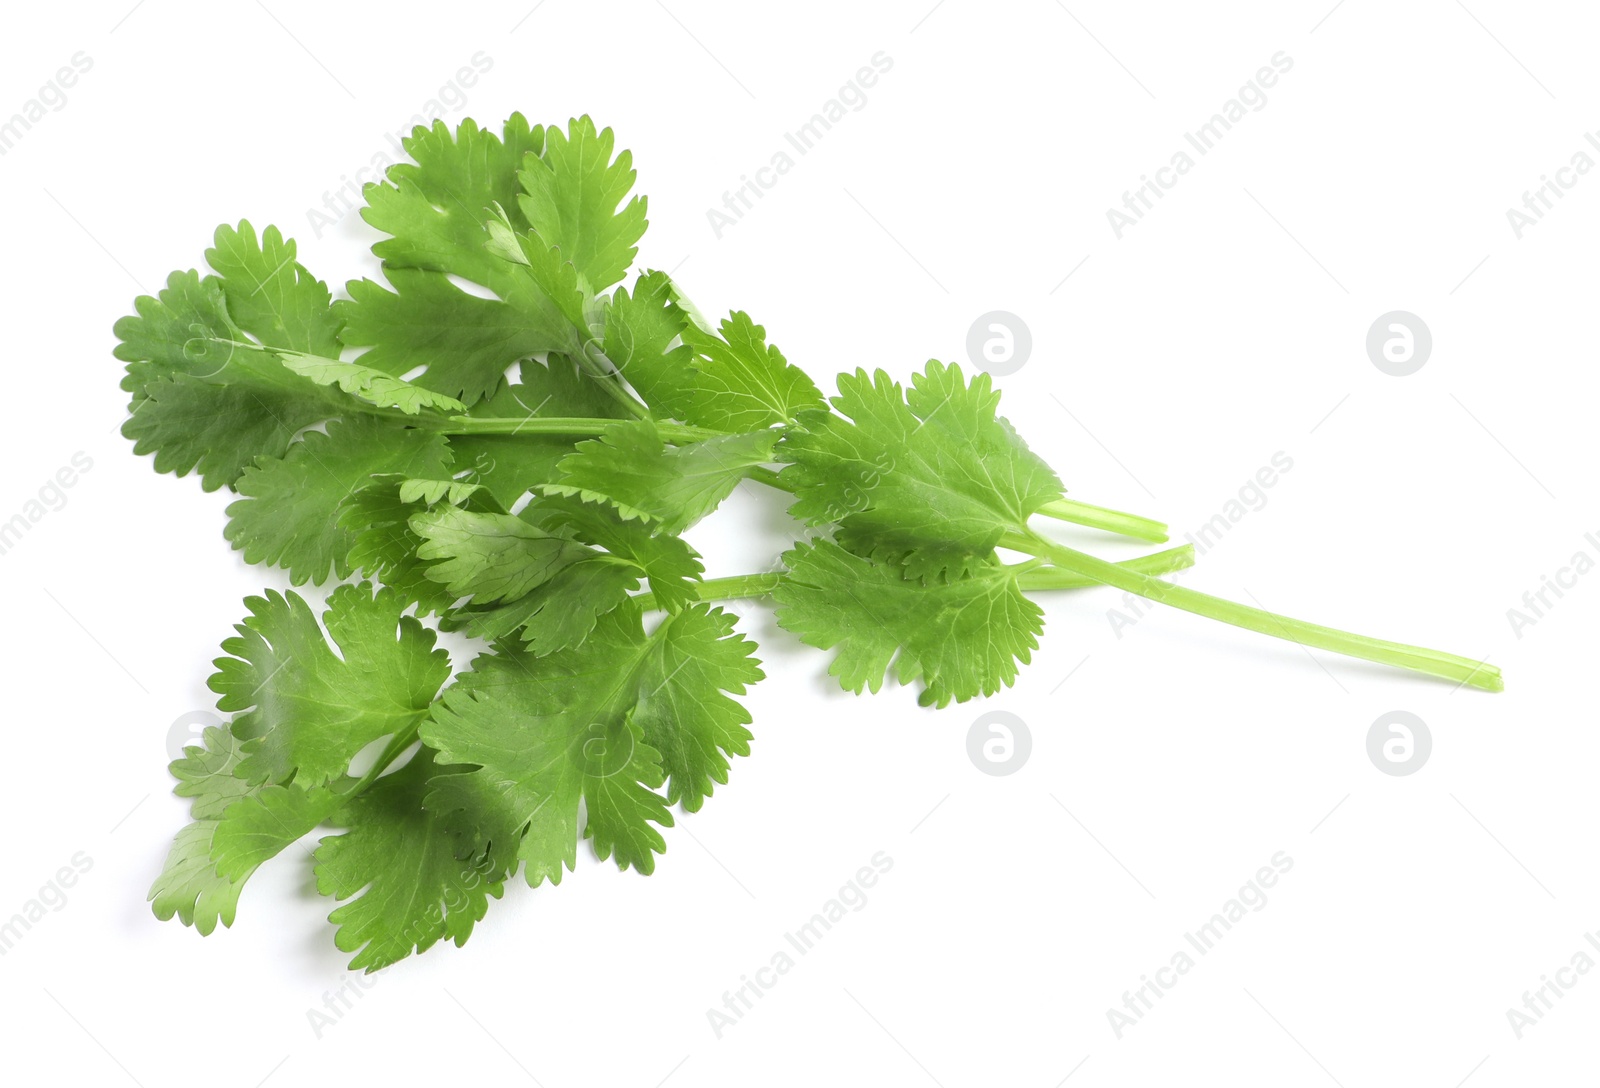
column 1166, row 370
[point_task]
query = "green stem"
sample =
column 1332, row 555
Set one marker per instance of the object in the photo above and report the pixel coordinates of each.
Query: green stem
column 735, row 588
column 593, row 359
column 568, row 426
column 391, row 751
column 1162, row 562
column 1463, row 670
column 1031, row 576
column 1112, row 521
column 763, row 475
column 1079, row 513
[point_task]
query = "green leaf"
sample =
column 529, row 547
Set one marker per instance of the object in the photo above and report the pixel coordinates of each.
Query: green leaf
column 537, row 279
column 205, row 774
column 366, row 384
column 189, row 886
column 215, row 430
column 643, row 332
column 383, row 546
column 289, row 513
column 554, row 388
column 543, row 568
column 609, row 709
column 473, row 810
column 467, row 343
column 237, row 826
column 306, row 711
column 453, row 491
column 744, row 384
column 402, row 534
column 539, row 575
column 197, row 404
column 671, row 565
column 558, row 615
column 572, row 198
column 258, row 827
column 435, row 208
column 550, row 732
column 175, row 332
column 684, row 710
column 454, row 211
column 270, row 295
column 630, row 467
column 509, row 466
column 931, row 478
column 962, row 639
column 397, row 869
column 491, row 557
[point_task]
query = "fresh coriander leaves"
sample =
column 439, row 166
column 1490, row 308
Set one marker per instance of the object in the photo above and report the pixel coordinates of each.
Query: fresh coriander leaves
column 285, row 516
column 960, row 638
column 607, row 721
column 508, row 437
column 573, row 199
column 631, row 467
column 189, row 886
column 305, row 711
column 400, row 872
column 928, row 476
column 742, row 382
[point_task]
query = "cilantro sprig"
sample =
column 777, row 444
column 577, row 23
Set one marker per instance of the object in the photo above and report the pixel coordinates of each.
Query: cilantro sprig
column 519, row 462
